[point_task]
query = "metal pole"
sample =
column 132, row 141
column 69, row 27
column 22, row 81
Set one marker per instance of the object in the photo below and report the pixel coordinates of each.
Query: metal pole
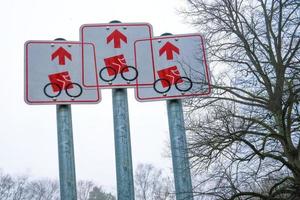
column 181, row 170
column 67, row 175
column 125, row 186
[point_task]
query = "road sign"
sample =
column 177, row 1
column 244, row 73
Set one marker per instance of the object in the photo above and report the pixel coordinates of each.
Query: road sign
column 171, row 67
column 114, row 43
column 53, row 73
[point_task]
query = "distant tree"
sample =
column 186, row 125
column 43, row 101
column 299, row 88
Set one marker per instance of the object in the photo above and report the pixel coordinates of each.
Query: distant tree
column 151, row 184
column 99, row 194
column 245, row 137
column 6, row 186
column 44, row 189
column 13, row 188
column 83, row 189
column 22, row 188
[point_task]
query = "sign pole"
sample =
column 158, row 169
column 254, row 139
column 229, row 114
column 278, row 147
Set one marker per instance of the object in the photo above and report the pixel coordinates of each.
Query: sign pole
column 67, row 177
column 181, row 169
column 125, row 185
column 66, row 153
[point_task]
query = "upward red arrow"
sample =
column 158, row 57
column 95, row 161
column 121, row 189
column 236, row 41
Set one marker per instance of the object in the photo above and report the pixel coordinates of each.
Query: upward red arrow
column 117, row 36
column 169, row 48
column 62, row 54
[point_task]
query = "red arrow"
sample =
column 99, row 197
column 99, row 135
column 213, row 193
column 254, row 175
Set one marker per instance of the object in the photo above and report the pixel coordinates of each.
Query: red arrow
column 169, row 48
column 117, row 36
column 61, row 53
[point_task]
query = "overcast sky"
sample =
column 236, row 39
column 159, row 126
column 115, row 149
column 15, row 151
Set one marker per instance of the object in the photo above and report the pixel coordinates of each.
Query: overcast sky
column 28, row 137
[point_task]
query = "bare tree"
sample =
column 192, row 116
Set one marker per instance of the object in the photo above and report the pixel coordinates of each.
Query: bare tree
column 43, row 190
column 6, row 186
column 244, row 138
column 98, row 193
column 151, row 184
column 19, row 191
column 83, row 189
column 24, row 188
column 13, row 188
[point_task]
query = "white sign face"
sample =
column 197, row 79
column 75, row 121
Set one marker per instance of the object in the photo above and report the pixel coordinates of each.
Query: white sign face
column 171, row 67
column 114, row 43
column 53, row 73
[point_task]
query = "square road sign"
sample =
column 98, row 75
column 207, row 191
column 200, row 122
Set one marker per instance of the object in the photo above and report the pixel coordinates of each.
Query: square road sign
column 53, row 73
column 114, row 43
column 171, row 67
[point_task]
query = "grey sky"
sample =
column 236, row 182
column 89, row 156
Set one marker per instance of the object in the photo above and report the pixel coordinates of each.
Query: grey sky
column 28, row 133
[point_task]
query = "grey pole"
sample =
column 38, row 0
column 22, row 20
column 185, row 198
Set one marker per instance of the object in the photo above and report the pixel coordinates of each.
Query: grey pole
column 181, row 169
column 67, row 175
column 125, row 186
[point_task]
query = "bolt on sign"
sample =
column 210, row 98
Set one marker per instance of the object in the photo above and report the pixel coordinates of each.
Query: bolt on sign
column 53, row 73
column 114, row 43
column 171, row 67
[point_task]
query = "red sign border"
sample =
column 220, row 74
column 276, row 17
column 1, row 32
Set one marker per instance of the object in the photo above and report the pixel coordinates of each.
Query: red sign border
column 26, row 96
column 207, row 74
column 131, row 85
